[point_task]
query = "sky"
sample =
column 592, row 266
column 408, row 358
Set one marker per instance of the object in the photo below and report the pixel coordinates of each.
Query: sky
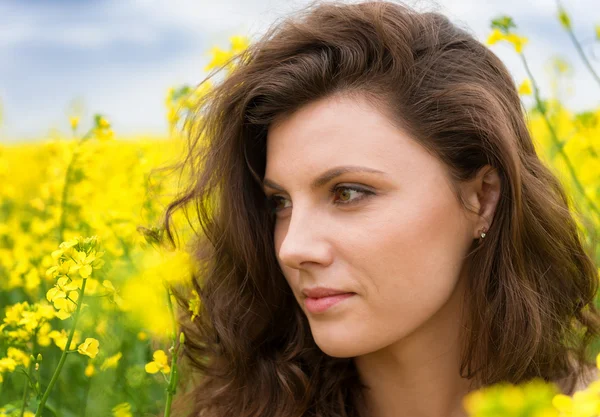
column 119, row 57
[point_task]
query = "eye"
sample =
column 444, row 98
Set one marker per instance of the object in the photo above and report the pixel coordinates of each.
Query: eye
column 346, row 194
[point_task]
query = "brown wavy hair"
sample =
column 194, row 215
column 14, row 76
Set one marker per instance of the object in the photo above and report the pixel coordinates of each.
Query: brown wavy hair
column 532, row 283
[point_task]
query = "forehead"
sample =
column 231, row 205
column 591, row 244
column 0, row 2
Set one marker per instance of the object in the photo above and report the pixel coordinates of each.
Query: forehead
column 338, row 130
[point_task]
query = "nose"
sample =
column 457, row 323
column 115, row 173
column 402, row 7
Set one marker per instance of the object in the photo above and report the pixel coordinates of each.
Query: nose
column 305, row 240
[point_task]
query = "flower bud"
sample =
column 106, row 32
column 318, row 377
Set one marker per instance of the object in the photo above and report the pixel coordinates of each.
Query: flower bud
column 182, row 338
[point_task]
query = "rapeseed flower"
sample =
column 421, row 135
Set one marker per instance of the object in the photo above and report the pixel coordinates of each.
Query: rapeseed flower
column 89, row 370
column 502, row 31
column 60, row 339
column 194, row 305
column 22, row 320
column 89, row 347
column 111, row 362
column 122, row 410
column 74, row 121
column 160, row 363
column 525, row 87
column 20, row 357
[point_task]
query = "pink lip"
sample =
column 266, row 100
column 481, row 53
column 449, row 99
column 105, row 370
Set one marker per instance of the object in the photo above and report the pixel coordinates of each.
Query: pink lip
column 319, row 305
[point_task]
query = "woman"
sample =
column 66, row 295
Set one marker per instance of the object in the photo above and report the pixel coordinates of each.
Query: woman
column 379, row 234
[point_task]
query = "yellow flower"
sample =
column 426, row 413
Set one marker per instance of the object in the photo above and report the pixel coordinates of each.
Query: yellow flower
column 525, row 87
column 194, row 305
column 160, row 363
column 7, row 364
column 562, row 403
column 60, row 338
column 20, row 357
column 238, row 43
column 598, row 32
column 142, row 336
column 89, row 370
column 89, row 347
column 111, row 362
column 74, row 122
column 585, row 403
column 122, row 410
column 517, row 41
column 103, row 123
column 219, row 58
column 495, row 36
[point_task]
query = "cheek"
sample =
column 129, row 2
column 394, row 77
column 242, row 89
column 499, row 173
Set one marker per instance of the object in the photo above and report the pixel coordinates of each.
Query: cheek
column 411, row 260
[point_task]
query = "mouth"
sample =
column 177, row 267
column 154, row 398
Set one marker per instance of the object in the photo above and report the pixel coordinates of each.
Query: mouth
column 321, row 304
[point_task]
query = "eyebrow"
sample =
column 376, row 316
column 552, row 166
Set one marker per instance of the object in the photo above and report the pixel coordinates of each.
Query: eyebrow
column 327, row 176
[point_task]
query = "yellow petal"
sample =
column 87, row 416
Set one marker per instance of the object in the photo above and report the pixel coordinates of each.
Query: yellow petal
column 525, row 88
column 89, row 370
column 562, row 403
column 151, row 368
column 160, row 357
column 85, row 271
column 89, row 347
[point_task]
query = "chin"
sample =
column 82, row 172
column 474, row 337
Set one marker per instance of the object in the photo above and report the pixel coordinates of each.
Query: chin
column 340, row 344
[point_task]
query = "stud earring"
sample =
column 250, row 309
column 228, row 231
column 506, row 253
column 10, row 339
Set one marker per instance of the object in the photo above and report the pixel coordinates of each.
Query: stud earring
column 482, row 235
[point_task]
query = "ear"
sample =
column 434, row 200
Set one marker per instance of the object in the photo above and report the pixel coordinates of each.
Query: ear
column 482, row 194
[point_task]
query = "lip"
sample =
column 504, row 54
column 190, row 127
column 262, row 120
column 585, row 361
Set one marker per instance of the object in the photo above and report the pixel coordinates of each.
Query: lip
column 320, row 299
column 320, row 292
column 322, row 304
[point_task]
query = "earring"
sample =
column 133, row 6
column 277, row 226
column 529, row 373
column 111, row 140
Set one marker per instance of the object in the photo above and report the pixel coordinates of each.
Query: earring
column 482, row 235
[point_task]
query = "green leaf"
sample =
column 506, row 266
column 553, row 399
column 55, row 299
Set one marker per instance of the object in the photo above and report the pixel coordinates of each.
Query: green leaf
column 503, row 23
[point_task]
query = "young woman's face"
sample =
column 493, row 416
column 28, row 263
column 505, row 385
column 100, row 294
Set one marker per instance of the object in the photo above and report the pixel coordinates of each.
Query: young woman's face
column 394, row 235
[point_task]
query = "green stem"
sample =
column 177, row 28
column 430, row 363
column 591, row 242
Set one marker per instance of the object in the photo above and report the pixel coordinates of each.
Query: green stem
column 555, row 139
column 26, row 389
column 172, row 387
column 580, row 49
column 63, row 203
column 85, row 397
column 63, row 357
column 28, row 374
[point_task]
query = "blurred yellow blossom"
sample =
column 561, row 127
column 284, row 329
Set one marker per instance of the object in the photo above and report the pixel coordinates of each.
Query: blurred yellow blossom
column 194, row 304
column 219, row 58
column 525, row 87
column 7, row 364
column 517, row 41
column 122, row 410
column 89, row 347
column 60, row 338
column 239, row 43
column 89, row 370
column 20, row 357
column 74, row 121
column 111, row 362
column 495, row 37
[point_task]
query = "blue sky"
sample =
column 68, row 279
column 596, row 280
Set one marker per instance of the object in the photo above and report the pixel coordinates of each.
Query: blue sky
column 121, row 56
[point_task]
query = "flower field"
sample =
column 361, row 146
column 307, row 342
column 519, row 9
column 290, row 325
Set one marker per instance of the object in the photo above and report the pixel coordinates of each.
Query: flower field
column 87, row 320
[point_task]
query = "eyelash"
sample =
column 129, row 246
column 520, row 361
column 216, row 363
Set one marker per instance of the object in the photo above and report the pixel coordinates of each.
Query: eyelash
column 366, row 193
